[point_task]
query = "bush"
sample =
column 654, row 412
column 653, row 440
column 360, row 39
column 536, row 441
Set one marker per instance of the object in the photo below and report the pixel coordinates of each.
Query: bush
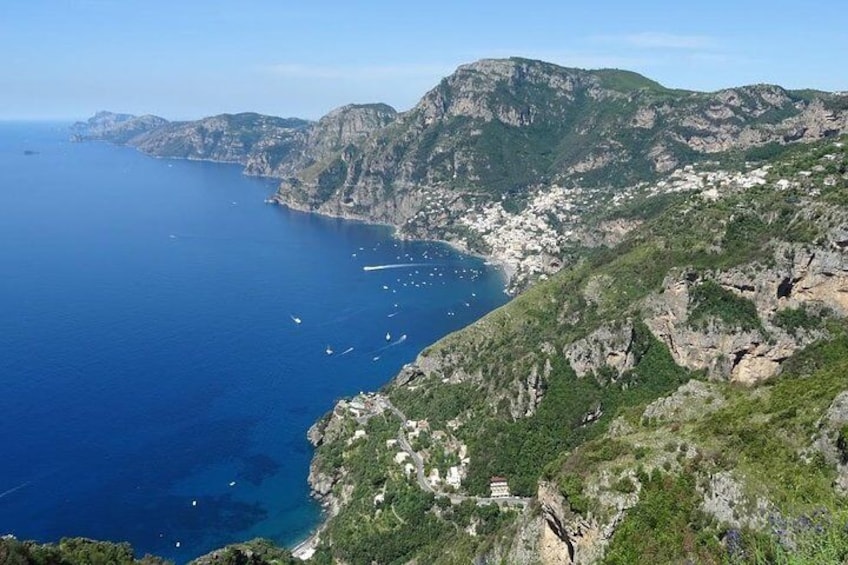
column 709, row 300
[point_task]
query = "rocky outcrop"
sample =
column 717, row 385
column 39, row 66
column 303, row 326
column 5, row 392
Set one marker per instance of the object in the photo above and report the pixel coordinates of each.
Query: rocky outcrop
column 608, row 347
column 726, row 501
column 117, row 128
column 528, row 392
column 253, row 552
column 800, row 276
column 689, row 402
column 832, row 439
column 567, row 537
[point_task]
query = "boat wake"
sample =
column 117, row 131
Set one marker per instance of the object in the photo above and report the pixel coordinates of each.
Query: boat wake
column 394, row 266
column 14, row 489
column 398, row 341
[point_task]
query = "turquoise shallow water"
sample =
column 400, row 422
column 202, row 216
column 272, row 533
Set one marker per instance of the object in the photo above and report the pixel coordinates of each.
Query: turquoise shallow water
column 155, row 385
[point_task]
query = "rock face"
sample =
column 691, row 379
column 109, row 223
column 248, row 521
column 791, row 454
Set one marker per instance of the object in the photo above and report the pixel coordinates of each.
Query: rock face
column 568, row 538
column 265, row 145
column 495, row 129
column 503, row 157
column 800, row 277
column 608, row 346
column 832, row 440
column 117, row 128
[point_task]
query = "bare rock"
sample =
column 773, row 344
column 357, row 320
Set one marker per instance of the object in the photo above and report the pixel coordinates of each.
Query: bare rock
column 689, row 402
column 609, row 346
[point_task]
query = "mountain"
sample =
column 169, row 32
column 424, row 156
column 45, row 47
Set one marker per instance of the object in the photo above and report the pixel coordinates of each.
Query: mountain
column 117, row 128
column 670, row 384
column 678, row 397
column 265, row 145
column 497, row 157
column 501, row 130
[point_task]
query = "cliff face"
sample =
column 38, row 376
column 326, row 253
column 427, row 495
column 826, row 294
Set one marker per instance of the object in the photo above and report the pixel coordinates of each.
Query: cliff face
column 265, row 145
column 512, row 158
column 117, row 128
column 680, row 395
column 496, row 129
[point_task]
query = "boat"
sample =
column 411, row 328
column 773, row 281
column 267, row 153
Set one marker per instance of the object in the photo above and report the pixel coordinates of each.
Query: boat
column 329, row 350
column 388, row 336
column 296, row 320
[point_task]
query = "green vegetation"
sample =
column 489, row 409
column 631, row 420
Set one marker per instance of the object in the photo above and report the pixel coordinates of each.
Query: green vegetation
column 794, row 319
column 521, row 449
column 627, row 81
column 588, row 435
column 254, row 552
column 665, row 526
column 711, row 301
column 71, row 551
column 817, row 539
column 768, row 449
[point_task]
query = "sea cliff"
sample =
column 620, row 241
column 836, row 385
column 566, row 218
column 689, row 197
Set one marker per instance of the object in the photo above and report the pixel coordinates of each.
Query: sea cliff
column 668, row 384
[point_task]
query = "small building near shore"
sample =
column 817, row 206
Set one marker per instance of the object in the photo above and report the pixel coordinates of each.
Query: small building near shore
column 499, row 487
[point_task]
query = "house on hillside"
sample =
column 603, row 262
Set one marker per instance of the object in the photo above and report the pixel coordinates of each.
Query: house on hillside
column 499, row 487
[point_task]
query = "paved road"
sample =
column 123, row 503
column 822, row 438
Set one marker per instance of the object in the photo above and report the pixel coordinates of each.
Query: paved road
column 419, row 466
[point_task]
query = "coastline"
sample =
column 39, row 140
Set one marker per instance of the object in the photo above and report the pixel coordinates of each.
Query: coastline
column 507, row 271
column 306, row 547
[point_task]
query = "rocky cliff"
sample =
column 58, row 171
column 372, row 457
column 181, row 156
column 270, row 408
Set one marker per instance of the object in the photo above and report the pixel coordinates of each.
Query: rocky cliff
column 265, row 145
column 504, row 132
column 513, row 158
column 672, row 387
column 679, row 396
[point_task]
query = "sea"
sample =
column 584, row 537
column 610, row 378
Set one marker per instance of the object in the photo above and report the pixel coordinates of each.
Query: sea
column 167, row 338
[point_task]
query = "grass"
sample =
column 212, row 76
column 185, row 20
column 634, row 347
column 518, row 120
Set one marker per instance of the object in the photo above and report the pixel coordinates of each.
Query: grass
column 665, row 526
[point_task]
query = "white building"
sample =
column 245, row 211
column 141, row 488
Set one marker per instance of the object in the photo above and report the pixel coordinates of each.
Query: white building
column 454, row 478
column 499, row 487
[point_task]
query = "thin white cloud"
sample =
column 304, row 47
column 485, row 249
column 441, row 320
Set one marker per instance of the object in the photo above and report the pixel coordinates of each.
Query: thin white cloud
column 356, row 72
column 659, row 40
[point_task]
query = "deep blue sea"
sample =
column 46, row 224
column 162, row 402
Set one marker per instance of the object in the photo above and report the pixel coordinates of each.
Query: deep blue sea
column 154, row 385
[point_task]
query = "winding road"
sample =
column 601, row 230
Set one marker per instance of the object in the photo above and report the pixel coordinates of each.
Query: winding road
column 419, row 466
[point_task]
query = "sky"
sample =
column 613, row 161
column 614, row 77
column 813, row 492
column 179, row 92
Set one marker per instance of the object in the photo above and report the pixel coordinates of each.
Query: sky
column 185, row 59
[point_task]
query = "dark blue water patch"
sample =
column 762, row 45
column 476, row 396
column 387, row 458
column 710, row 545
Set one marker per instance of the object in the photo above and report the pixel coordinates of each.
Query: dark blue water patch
column 156, row 386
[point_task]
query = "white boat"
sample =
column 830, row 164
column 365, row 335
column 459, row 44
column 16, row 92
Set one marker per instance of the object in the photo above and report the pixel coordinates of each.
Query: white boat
column 329, row 350
column 296, row 320
column 388, row 336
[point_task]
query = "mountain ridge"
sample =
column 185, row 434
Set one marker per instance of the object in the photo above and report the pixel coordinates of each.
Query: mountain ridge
column 497, row 136
column 669, row 386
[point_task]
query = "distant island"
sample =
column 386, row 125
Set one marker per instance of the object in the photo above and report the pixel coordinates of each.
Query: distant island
column 667, row 386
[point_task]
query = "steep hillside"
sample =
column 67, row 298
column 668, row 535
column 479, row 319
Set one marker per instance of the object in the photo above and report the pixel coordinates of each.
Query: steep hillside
column 504, row 133
column 116, row 128
column 680, row 395
column 672, row 387
column 512, row 158
column 265, row 145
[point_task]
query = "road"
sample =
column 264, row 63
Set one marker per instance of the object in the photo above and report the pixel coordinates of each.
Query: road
column 419, row 466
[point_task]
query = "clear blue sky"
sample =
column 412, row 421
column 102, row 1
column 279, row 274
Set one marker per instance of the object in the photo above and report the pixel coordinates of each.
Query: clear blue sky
column 187, row 59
